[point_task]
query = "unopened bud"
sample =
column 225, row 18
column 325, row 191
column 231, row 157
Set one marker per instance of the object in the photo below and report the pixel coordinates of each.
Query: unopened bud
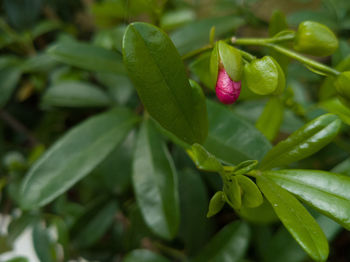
column 227, row 90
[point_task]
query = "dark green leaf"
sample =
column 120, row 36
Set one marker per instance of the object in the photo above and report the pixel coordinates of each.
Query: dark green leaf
column 18, row 225
column 75, row 94
column 160, row 78
column 304, row 142
column 74, row 156
column 195, row 228
column 200, row 68
column 229, row 245
column 22, row 13
column 42, row 244
column 144, row 255
column 196, row 34
column 9, row 78
column 327, row 192
column 271, row 118
column 155, row 183
column 94, row 224
column 87, row 56
column 232, row 139
column 298, row 221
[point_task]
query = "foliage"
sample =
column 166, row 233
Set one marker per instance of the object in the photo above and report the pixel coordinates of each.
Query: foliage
column 112, row 138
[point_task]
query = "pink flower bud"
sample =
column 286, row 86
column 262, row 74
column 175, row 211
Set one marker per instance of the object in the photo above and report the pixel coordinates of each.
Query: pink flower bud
column 227, row 90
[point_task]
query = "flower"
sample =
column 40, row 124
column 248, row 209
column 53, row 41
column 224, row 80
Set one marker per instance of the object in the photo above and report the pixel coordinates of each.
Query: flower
column 227, row 90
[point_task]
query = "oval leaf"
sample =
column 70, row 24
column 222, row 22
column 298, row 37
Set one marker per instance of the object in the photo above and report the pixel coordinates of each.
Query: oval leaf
column 144, row 255
column 75, row 94
column 327, row 192
column 304, row 142
column 251, row 195
column 155, row 183
column 87, row 56
column 203, row 159
column 298, row 221
column 156, row 68
column 74, row 155
column 229, row 245
column 232, row 139
column 216, row 203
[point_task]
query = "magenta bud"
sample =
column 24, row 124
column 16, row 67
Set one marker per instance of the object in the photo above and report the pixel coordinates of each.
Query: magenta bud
column 227, row 90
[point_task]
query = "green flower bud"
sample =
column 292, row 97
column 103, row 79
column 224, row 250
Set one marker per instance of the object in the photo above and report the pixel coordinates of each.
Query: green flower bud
column 342, row 84
column 216, row 203
column 227, row 57
column 264, row 76
column 315, row 39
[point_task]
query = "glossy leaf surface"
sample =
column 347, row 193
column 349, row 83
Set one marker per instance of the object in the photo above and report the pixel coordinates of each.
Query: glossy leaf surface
column 159, row 76
column 74, row 155
column 304, row 142
column 251, row 195
column 327, row 192
column 298, row 221
column 231, row 138
column 203, row 159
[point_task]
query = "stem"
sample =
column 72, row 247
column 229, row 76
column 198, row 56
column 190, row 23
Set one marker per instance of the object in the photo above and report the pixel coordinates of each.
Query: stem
column 304, row 60
column 261, row 41
column 307, row 61
column 196, row 52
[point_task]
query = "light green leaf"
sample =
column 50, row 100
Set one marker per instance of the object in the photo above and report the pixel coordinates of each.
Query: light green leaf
column 159, row 76
column 327, row 192
column 232, row 192
column 251, row 195
column 155, row 183
column 334, row 106
column 203, row 159
column 217, row 202
column 75, row 94
column 232, row 139
column 304, row 142
column 229, row 245
column 298, row 221
column 74, row 155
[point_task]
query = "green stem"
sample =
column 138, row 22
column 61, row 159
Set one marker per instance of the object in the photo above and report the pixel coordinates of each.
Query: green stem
column 306, row 61
column 196, row 52
column 261, row 41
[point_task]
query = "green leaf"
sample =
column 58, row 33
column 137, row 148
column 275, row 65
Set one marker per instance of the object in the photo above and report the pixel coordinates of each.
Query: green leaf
column 327, row 192
column 159, row 75
column 18, row 259
column 217, row 202
column 232, row 139
column 231, row 59
column 298, row 221
column 87, row 56
column 43, row 246
column 251, row 195
column 263, row 214
column 74, row 155
column 232, row 192
column 144, row 255
column 229, row 245
column 271, row 118
column 304, row 142
column 9, row 78
column 75, row 94
column 94, row 224
column 243, row 167
column 203, row 159
column 196, row 35
column 200, row 68
column 155, row 183
column 22, row 13
column 195, row 229
column 334, row 106
column 19, row 224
